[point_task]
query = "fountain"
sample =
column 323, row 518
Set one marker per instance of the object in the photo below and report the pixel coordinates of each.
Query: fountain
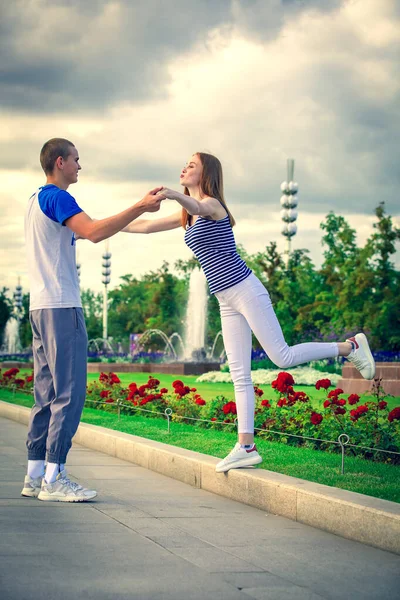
column 11, row 341
column 192, row 358
column 196, row 315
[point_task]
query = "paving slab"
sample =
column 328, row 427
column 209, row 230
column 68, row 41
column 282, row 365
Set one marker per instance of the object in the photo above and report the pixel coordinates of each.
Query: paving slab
column 149, row 537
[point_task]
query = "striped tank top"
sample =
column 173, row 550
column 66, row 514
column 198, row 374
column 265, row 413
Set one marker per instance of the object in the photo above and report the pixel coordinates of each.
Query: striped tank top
column 213, row 244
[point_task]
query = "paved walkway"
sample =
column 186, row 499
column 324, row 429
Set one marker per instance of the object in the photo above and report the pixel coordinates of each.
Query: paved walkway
column 149, row 537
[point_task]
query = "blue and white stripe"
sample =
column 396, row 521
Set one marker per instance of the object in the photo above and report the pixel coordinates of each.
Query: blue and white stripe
column 213, row 244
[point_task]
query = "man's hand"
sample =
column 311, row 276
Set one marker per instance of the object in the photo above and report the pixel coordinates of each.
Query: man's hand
column 152, row 200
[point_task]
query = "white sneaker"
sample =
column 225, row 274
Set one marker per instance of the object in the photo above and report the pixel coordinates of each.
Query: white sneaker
column 239, row 457
column 65, row 490
column 361, row 356
column 32, row 486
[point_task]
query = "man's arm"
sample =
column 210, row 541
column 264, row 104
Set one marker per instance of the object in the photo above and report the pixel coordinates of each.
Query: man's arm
column 153, row 225
column 97, row 231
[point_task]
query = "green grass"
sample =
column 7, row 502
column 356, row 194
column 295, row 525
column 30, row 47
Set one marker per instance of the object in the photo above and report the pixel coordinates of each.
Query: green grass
column 362, row 476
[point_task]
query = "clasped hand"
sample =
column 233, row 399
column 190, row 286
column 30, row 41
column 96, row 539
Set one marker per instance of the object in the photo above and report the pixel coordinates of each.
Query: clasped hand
column 170, row 194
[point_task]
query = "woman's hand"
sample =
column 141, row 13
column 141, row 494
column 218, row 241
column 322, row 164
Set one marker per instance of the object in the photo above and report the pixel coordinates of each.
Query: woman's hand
column 170, row 194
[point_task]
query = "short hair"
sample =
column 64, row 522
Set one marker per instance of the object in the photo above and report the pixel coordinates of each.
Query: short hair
column 52, row 150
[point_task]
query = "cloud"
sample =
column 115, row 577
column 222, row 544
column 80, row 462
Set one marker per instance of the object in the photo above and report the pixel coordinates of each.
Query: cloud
column 58, row 56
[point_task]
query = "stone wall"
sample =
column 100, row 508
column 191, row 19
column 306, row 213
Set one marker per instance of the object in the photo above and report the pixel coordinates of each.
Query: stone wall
column 353, row 383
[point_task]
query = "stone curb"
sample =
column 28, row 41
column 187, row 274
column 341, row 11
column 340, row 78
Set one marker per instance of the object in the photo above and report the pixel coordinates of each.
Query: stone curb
column 351, row 515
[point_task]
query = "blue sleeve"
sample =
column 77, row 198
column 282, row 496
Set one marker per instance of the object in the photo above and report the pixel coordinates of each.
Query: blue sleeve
column 58, row 205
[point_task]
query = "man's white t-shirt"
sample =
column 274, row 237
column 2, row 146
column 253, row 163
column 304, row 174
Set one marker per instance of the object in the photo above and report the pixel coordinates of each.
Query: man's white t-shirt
column 50, row 248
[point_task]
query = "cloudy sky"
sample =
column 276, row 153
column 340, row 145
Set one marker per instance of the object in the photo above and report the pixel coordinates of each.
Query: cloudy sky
column 139, row 86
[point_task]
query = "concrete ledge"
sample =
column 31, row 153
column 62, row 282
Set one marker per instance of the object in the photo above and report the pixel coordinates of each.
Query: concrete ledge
column 348, row 514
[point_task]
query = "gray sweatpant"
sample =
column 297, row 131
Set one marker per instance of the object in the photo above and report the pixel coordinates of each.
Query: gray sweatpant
column 59, row 355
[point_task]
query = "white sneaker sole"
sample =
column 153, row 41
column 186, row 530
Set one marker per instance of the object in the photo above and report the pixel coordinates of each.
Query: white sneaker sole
column 363, row 343
column 238, row 464
column 55, row 498
column 30, row 493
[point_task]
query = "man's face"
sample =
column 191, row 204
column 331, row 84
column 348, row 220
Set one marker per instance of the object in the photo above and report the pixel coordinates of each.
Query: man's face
column 71, row 166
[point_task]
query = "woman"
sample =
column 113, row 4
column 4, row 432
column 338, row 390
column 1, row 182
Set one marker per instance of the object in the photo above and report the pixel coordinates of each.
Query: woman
column 245, row 304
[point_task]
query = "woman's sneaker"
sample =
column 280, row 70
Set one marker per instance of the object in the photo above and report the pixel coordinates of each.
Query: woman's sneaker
column 32, row 486
column 361, row 356
column 65, row 490
column 239, row 457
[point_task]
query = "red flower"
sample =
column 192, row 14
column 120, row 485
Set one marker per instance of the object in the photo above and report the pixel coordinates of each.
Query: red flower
column 316, row 418
column 340, row 411
column 142, row 390
column 11, row 372
column 353, row 399
column 356, row 413
column 229, row 407
column 327, row 403
column 200, row 401
column 182, row 391
column 177, row 383
column 213, row 419
column 114, row 378
column 152, row 383
column 103, row 377
column 29, row 378
column 265, row 403
column 339, row 401
column 382, row 405
column 281, row 402
column 335, row 393
column 133, row 387
column 283, row 382
column 193, row 389
column 394, row 414
column 19, row 382
column 105, row 393
column 258, row 392
column 323, row 383
column 164, row 391
column 109, row 400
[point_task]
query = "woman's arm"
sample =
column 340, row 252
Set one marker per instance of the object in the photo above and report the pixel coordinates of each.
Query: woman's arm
column 209, row 207
column 152, row 226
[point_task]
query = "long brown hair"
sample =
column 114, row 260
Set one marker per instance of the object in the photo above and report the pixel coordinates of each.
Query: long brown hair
column 211, row 184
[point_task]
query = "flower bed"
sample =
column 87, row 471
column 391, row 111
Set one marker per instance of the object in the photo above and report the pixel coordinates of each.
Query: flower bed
column 289, row 417
column 304, row 376
column 11, row 379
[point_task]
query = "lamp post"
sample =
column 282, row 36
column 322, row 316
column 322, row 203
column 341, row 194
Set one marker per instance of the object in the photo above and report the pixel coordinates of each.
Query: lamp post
column 18, row 299
column 106, row 280
column 289, row 213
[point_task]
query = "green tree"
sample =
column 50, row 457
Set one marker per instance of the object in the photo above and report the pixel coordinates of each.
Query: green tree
column 92, row 305
column 5, row 310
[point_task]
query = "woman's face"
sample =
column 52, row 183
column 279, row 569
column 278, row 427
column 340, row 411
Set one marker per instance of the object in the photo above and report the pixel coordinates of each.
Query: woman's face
column 191, row 173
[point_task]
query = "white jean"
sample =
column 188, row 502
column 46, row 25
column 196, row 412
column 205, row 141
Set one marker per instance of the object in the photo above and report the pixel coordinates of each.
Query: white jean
column 247, row 307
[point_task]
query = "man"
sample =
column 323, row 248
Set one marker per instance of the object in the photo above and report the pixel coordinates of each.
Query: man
column 59, row 334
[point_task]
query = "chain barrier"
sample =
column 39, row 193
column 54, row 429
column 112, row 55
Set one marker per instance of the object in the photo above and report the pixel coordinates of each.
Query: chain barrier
column 342, row 441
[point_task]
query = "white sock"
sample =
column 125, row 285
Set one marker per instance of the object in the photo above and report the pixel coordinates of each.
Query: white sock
column 52, row 470
column 35, row 468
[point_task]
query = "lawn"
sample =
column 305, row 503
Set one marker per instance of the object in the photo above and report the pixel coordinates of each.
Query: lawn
column 362, row 476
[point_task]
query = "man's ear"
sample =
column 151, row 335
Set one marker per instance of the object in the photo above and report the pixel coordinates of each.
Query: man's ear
column 59, row 162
